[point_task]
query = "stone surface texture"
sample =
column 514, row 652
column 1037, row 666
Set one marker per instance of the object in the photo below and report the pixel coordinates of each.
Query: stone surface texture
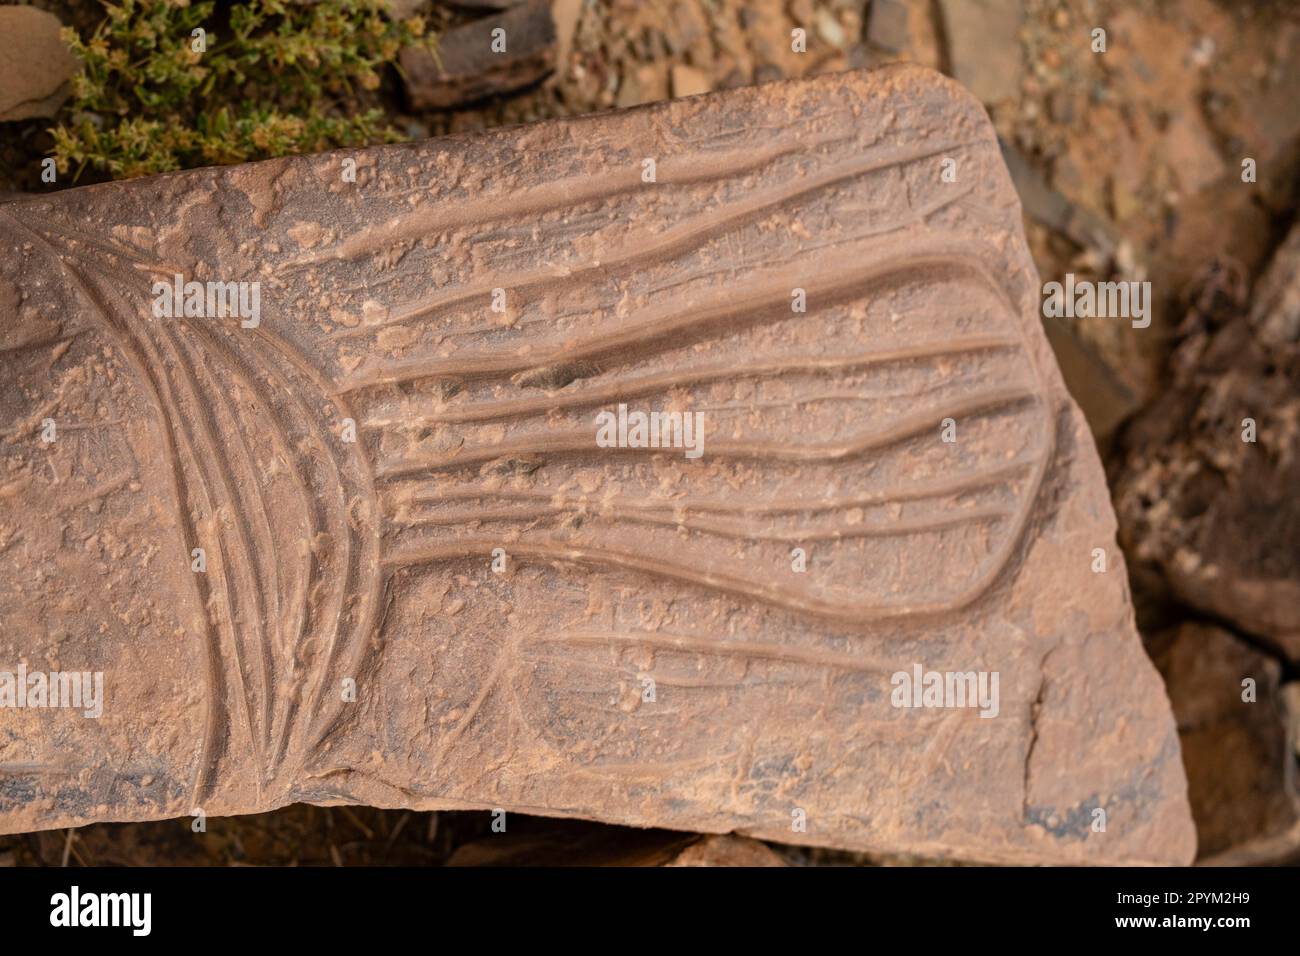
column 983, row 46
column 467, row 67
column 1238, row 748
column 1217, row 516
column 524, row 688
column 35, row 64
column 559, row 845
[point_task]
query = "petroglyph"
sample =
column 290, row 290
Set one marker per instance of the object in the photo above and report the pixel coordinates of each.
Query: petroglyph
column 368, row 548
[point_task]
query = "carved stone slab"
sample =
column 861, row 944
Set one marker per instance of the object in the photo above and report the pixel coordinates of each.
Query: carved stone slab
column 356, row 538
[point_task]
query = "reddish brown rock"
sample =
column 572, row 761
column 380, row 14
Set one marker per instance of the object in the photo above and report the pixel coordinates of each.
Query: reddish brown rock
column 566, row 843
column 887, row 25
column 534, row 621
column 1095, row 381
column 487, row 57
column 1207, row 491
column 35, row 64
column 1238, row 745
column 983, row 46
column 726, row 849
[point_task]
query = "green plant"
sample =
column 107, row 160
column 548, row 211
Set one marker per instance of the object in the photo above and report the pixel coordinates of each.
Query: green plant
column 284, row 77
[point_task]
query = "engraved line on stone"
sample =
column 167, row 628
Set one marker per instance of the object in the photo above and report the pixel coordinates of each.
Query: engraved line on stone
column 579, row 190
column 894, row 528
column 765, row 299
column 133, row 349
column 581, row 442
column 344, row 591
column 673, row 240
column 535, row 200
column 187, row 388
column 252, row 540
column 847, row 612
column 351, row 561
column 949, row 486
column 687, row 643
column 635, row 387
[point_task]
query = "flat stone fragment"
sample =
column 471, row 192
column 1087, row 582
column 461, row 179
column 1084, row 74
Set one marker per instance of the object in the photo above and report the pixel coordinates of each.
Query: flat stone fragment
column 1207, row 491
column 35, row 64
column 984, row 46
column 887, row 25
column 369, row 541
column 488, row 57
column 1238, row 745
column 564, row 844
column 726, row 849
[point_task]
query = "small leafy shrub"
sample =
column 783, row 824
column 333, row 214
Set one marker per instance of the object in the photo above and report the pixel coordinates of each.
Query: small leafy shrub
column 277, row 77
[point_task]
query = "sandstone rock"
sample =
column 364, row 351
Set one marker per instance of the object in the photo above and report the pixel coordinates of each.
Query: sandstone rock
column 403, row 9
column 1194, row 159
column 1096, row 384
column 887, row 25
column 566, row 15
column 1217, row 515
column 688, row 81
column 984, row 46
column 1275, row 311
column 35, row 64
column 1239, row 755
column 565, row 844
column 488, row 57
column 726, row 849
column 476, row 604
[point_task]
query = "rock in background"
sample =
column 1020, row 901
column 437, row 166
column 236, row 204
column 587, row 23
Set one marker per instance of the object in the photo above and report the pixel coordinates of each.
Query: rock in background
column 1236, row 721
column 35, row 64
column 1207, row 492
column 488, row 57
column 573, row 843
